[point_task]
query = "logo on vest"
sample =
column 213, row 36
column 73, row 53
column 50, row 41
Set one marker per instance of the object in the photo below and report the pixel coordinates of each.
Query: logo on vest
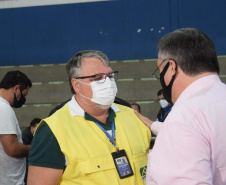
column 143, row 171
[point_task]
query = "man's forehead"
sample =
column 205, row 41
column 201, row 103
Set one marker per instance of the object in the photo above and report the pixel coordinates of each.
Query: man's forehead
column 161, row 97
column 94, row 66
column 134, row 105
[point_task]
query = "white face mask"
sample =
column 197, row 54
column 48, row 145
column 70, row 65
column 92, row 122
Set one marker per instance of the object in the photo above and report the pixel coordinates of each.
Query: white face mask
column 163, row 103
column 103, row 93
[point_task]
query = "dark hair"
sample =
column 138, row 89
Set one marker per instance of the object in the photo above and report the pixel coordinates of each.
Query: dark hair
column 160, row 92
column 13, row 78
column 35, row 121
column 73, row 66
column 137, row 106
column 193, row 51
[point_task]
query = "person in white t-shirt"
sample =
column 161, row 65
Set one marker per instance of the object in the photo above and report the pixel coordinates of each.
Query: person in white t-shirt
column 14, row 88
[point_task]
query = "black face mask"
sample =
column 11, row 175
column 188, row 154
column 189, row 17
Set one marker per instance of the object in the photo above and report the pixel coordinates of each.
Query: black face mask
column 167, row 89
column 20, row 102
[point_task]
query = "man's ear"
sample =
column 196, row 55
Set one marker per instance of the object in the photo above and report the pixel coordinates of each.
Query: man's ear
column 75, row 84
column 16, row 88
column 173, row 67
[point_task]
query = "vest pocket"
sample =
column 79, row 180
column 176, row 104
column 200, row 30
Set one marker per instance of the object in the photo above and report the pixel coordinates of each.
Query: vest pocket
column 140, row 167
column 99, row 171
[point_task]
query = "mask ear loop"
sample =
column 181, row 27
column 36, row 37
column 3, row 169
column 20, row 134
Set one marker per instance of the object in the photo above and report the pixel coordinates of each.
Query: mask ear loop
column 82, row 94
column 85, row 96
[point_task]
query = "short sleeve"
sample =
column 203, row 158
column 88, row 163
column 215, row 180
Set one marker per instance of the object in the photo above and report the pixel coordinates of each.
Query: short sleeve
column 8, row 121
column 45, row 150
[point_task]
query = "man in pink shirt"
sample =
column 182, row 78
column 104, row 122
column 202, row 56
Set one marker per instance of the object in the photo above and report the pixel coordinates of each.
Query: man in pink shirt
column 190, row 148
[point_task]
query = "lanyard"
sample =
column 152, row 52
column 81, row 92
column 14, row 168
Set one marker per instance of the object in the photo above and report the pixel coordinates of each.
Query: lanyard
column 111, row 138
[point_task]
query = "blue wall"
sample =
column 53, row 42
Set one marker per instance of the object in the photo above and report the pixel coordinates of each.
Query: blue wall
column 123, row 29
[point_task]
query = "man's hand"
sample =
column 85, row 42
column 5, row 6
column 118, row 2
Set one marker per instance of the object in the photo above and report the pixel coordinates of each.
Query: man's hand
column 145, row 120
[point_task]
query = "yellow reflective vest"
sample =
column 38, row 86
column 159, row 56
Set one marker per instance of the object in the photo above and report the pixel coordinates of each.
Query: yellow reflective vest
column 88, row 150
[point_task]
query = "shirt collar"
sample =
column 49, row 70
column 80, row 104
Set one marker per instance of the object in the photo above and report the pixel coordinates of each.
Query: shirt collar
column 110, row 118
column 197, row 86
column 5, row 101
column 76, row 110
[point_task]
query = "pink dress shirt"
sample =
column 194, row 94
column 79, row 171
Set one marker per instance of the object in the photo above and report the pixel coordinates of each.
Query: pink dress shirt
column 190, row 148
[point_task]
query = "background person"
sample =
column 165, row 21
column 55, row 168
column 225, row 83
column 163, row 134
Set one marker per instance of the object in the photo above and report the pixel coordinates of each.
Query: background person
column 27, row 136
column 191, row 145
column 80, row 142
column 136, row 107
column 165, row 106
column 14, row 88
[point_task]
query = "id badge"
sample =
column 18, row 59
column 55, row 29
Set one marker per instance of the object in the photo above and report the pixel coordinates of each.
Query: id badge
column 122, row 164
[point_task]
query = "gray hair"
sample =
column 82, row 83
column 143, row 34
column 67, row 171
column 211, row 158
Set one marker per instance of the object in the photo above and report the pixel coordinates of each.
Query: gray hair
column 191, row 49
column 73, row 66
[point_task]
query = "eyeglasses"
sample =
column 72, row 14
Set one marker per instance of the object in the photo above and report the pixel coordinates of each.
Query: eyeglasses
column 101, row 77
column 156, row 73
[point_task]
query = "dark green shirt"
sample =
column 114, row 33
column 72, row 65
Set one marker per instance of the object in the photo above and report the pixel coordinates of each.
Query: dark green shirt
column 45, row 150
